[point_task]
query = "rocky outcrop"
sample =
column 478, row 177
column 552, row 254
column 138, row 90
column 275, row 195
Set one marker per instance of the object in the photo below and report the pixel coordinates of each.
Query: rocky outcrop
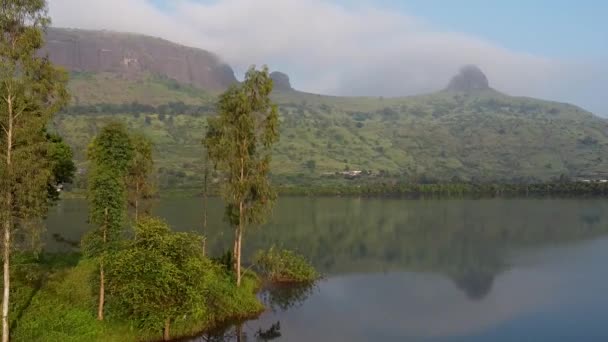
column 281, row 81
column 470, row 78
column 132, row 55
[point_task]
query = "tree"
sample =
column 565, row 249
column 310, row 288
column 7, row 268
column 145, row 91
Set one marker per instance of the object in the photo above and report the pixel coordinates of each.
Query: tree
column 32, row 90
column 239, row 141
column 205, row 195
column 139, row 177
column 159, row 276
column 63, row 167
column 311, row 165
column 110, row 155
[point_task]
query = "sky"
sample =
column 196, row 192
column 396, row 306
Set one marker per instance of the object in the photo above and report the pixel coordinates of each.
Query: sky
column 550, row 49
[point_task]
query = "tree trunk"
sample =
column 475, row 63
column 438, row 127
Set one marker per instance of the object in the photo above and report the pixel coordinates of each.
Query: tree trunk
column 237, row 243
column 102, row 293
column 238, row 259
column 102, row 287
column 239, row 332
column 235, row 251
column 166, row 334
column 136, row 211
column 136, row 202
column 6, row 294
column 7, row 223
column 205, row 209
column 205, row 189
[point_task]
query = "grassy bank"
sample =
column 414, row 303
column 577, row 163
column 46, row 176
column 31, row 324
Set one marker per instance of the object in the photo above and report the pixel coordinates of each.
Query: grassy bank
column 55, row 300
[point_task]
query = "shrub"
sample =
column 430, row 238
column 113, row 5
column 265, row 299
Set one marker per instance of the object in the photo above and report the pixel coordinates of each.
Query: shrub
column 284, row 266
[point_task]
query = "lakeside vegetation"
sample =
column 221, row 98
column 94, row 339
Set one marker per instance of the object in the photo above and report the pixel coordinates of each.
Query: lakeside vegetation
column 144, row 281
column 134, row 278
column 284, row 266
column 558, row 189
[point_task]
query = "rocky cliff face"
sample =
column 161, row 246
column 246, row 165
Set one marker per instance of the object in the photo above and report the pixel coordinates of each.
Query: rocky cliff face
column 132, row 55
column 281, row 81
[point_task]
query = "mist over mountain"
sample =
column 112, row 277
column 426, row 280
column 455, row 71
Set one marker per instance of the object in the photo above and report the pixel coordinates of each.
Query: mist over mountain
column 464, row 130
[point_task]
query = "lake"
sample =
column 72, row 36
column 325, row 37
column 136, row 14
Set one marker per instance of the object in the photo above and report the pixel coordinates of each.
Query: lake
column 415, row 270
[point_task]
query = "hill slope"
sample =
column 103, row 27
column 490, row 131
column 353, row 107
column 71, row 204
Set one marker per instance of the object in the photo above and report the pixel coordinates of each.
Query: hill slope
column 468, row 130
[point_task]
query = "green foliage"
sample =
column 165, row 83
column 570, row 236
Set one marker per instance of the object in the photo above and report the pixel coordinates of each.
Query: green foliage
column 280, row 265
column 63, row 167
column 239, row 142
column 61, row 155
column 112, row 148
column 456, row 189
column 483, row 137
column 55, row 301
column 140, row 184
column 32, row 90
column 159, row 276
column 110, row 154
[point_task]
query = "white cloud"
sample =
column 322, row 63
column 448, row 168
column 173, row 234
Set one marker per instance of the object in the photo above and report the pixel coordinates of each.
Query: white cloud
column 328, row 48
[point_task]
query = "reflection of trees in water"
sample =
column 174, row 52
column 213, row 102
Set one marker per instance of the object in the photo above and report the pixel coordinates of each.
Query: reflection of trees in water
column 277, row 297
column 60, row 239
column 282, row 297
column 475, row 285
column 228, row 333
column 235, row 333
column 269, row 334
column 466, row 240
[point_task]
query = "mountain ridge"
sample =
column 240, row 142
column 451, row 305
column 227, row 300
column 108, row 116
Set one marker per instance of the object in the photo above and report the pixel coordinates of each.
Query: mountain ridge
column 467, row 131
column 132, row 54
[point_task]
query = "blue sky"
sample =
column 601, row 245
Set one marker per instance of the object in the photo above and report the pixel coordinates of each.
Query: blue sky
column 558, row 28
column 549, row 49
column 563, row 28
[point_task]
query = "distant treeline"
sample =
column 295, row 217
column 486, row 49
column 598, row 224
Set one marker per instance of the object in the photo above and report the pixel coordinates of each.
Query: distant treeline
column 450, row 189
column 170, row 108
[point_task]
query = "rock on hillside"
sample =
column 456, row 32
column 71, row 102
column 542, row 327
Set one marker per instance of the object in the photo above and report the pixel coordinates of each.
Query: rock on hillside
column 281, row 81
column 131, row 55
column 470, row 78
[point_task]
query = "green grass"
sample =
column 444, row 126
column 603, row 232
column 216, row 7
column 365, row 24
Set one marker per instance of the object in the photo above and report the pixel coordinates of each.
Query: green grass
column 58, row 303
column 485, row 136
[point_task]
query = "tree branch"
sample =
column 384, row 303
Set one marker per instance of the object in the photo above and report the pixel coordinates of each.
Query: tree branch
column 18, row 114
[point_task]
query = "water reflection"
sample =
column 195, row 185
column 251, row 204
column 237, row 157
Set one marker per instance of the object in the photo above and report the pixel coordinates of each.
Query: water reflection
column 282, row 297
column 475, row 285
column 237, row 333
column 414, row 269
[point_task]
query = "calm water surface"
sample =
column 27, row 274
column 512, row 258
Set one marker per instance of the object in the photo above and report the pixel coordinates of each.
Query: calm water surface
column 417, row 270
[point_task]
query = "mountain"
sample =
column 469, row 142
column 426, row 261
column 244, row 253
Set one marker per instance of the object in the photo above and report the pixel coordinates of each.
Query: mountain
column 467, row 131
column 134, row 55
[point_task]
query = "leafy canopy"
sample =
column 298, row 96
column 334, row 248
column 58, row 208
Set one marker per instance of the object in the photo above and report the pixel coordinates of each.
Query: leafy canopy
column 32, row 90
column 110, row 154
column 239, row 142
column 159, row 275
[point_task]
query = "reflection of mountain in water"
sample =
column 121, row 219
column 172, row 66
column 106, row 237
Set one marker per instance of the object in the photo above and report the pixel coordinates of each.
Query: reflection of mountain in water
column 466, row 240
column 475, row 285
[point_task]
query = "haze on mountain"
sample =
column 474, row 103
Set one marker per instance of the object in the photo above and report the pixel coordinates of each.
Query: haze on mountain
column 385, row 48
column 464, row 130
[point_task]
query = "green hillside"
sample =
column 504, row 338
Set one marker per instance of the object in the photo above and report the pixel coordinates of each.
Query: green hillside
column 481, row 135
